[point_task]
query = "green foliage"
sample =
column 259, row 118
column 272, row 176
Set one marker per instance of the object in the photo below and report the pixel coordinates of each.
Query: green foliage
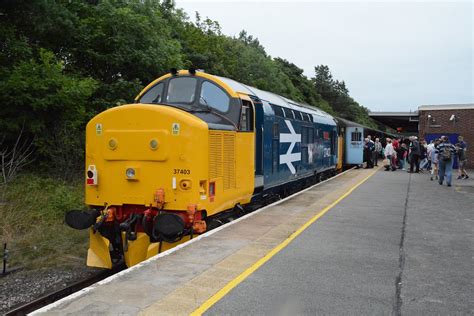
column 39, row 97
column 64, row 61
column 337, row 95
column 31, row 221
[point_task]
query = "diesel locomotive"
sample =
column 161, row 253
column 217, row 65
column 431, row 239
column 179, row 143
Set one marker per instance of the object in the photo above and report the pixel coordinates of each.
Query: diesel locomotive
column 193, row 147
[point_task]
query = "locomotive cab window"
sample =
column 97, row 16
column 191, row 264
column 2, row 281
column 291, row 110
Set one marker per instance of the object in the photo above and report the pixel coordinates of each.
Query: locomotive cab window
column 153, row 95
column 181, row 90
column 214, row 97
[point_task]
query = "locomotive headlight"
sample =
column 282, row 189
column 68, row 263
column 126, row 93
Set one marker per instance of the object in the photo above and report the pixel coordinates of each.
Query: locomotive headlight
column 130, row 173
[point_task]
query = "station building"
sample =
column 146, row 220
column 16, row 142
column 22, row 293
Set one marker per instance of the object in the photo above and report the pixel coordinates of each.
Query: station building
column 451, row 120
column 433, row 121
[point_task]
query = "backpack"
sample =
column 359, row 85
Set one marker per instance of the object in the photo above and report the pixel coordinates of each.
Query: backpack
column 446, row 153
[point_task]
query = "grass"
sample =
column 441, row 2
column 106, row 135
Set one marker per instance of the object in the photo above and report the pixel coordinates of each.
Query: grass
column 32, row 222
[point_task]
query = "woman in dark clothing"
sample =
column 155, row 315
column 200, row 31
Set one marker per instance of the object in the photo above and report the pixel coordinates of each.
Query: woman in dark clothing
column 401, row 156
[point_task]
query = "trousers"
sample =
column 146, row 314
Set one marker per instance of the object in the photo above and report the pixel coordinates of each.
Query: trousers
column 445, row 170
column 415, row 162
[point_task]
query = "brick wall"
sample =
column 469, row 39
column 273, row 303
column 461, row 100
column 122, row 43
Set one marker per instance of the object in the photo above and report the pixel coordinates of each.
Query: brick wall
column 464, row 126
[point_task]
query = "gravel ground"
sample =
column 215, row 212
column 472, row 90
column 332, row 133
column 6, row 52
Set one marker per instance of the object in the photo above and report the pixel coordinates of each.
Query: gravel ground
column 24, row 286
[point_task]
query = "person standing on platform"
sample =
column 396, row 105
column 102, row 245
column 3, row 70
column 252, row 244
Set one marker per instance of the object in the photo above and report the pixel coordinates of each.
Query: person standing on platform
column 396, row 145
column 423, row 155
column 414, row 154
column 368, row 148
column 462, row 158
column 377, row 151
column 434, row 160
column 390, row 155
column 429, row 149
column 446, row 152
column 402, row 156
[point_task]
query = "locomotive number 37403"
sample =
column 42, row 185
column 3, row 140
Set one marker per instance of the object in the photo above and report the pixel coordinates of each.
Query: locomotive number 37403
column 182, row 171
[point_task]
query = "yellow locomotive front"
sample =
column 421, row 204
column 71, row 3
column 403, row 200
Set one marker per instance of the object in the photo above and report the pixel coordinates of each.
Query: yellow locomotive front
column 157, row 169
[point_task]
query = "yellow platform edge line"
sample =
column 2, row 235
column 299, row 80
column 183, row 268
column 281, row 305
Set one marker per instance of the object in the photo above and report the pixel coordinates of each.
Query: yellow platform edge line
column 232, row 284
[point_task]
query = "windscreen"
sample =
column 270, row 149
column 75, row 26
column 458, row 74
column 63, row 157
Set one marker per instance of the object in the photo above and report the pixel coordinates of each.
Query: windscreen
column 181, row 90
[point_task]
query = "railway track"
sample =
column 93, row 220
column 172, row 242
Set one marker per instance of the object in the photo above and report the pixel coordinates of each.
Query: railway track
column 57, row 295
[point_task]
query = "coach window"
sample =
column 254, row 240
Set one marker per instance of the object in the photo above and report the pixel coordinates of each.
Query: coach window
column 356, row 136
column 153, row 95
column 214, row 97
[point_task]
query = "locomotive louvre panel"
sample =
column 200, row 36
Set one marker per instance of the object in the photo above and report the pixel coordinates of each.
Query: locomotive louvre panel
column 215, row 155
column 222, row 158
column 229, row 161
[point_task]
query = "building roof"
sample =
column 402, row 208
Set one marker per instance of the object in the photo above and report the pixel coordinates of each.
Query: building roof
column 381, row 113
column 467, row 106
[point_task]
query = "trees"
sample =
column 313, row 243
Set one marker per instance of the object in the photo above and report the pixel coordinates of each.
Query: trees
column 337, row 95
column 61, row 62
column 38, row 98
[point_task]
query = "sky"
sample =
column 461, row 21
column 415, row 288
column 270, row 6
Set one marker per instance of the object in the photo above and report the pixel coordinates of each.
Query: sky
column 393, row 55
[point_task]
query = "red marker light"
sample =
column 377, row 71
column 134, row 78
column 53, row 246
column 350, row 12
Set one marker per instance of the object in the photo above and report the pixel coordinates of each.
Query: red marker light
column 91, row 175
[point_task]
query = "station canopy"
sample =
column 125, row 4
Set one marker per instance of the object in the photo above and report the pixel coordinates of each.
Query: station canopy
column 402, row 122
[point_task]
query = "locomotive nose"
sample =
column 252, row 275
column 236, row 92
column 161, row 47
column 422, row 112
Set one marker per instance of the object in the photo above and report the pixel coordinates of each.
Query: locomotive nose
column 133, row 150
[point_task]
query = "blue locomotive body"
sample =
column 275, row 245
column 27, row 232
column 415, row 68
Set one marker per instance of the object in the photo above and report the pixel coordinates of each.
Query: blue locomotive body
column 296, row 143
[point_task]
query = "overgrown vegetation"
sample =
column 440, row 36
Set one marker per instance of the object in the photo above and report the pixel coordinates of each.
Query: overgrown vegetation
column 62, row 62
column 31, row 222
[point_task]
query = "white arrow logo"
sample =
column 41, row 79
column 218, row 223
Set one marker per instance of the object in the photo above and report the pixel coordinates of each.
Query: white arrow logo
column 291, row 138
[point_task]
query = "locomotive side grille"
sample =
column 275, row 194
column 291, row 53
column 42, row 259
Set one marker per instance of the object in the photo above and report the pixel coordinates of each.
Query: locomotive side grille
column 215, row 155
column 222, row 158
column 229, row 161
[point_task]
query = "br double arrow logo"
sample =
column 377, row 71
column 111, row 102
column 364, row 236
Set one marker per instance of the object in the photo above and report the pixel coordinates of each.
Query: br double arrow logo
column 291, row 138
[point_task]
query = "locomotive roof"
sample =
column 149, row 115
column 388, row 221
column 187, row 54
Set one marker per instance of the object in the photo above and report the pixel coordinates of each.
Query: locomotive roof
column 266, row 96
column 274, row 98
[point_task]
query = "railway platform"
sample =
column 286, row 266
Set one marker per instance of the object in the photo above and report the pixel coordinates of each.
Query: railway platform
column 364, row 242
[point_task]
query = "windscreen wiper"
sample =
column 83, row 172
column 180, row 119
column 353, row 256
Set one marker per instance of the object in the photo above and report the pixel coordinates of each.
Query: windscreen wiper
column 209, row 109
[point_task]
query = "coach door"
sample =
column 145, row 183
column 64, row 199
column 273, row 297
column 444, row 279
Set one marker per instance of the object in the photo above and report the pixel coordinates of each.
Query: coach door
column 354, row 145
